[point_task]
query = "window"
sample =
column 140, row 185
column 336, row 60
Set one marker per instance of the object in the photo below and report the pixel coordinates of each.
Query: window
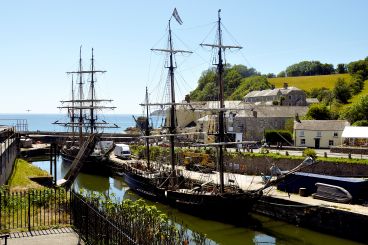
column 319, row 134
column 301, row 133
column 330, row 142
column 335, row 134
column 302, row 141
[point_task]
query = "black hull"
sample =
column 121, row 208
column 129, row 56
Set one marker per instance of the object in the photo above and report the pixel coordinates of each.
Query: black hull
column 93, row 164
column 229, row 207
column 143, row 186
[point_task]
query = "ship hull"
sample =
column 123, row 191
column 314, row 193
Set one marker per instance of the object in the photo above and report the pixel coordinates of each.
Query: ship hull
column 93, row 164
column 143, row 186
column 231, row 207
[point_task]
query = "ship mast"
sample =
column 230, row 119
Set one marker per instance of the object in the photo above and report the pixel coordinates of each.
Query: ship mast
column 80, row 121
column 147, row 132
column 172, row 126
column 92, row 120
column 220, row 71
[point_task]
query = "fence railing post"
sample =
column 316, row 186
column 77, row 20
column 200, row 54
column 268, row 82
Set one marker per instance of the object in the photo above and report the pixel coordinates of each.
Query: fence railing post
column 29, row 211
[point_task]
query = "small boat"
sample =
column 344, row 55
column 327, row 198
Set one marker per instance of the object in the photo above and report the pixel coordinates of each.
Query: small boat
column 357, row 187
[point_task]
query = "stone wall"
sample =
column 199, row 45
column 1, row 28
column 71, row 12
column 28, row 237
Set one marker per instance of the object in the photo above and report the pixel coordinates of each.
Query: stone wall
column 352, row 150
column 8, row 153
column 256, row 165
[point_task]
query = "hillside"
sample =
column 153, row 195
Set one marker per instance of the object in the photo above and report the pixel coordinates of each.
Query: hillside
column 309, row 82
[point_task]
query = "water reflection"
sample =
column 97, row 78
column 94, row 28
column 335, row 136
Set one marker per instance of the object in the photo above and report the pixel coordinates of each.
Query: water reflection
column 259, row 229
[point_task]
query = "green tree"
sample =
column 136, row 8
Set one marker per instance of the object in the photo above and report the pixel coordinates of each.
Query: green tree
column 361, row 123
column 250, row 84
column 318, row 112
column 309, row 68
column 342, row 91
column 341, row 68
column 359, row 67
column 357, row 111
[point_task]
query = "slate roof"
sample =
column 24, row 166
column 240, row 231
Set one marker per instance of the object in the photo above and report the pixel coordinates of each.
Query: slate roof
column 273, row 111
column 271, row 92
column 329, row 125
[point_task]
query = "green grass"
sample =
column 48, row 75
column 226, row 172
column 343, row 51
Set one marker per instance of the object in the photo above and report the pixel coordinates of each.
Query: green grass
column 21, row 173
column 356, row 97
column 308, row 82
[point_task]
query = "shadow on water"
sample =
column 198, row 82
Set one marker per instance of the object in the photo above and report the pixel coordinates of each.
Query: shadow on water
column 255, row 230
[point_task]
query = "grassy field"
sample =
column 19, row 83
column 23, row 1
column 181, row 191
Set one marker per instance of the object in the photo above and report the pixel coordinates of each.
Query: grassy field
column 21, row 173
column 309, row 82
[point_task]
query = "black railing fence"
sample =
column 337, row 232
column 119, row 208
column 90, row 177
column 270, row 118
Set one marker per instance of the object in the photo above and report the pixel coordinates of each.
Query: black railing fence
column 93, row 226
column 125, row 223
column 34, row 209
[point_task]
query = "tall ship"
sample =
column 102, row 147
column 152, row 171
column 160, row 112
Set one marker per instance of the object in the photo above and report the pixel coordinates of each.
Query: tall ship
column 83, row 118
column 168, row 184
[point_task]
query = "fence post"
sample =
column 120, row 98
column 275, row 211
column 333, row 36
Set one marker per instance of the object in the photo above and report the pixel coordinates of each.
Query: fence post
column 29, row 211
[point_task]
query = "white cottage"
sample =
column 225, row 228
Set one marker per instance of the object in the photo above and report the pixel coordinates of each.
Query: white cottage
column 319, row 133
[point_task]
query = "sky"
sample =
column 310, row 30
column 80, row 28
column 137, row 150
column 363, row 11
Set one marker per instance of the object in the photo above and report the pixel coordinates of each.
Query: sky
column 40, row 42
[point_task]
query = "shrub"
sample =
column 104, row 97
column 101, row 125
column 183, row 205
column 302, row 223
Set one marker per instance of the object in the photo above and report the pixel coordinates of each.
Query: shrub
column 310, row 153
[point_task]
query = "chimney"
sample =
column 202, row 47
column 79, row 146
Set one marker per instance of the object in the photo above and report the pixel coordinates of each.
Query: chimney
column 285, row 85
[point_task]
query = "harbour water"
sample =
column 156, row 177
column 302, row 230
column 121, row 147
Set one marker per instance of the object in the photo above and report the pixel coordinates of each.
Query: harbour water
column 258, row 230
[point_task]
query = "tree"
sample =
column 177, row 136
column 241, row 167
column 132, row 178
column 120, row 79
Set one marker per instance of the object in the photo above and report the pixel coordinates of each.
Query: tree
column 363, row 123
column 342, row 91
column 309, row 68
column 359, row 67
column 341, row 68
column 281, row 74
column 278, row 136
column 250, row 84
column 318, row 112
column 357, row 111
column 207, row 88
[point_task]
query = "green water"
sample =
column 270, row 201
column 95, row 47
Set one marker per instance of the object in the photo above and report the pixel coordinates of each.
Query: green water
column 259, row 230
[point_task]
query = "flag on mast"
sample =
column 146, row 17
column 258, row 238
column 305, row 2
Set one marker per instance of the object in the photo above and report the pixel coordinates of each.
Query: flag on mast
column 176, row 16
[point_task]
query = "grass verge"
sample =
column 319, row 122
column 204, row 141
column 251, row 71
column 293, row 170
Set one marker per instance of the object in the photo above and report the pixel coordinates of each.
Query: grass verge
column 19, row 179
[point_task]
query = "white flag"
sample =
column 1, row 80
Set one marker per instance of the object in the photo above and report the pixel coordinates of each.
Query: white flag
column 176, row 16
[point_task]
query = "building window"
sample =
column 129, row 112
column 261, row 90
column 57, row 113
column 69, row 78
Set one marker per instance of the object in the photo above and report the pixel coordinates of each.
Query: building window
column 330, row 142
column 301, row 133
column 319, row 134
column 302, row 141
column 335, row 134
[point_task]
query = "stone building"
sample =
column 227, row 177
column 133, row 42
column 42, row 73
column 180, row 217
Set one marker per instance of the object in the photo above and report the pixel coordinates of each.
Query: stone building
column 286, row 96
column 251, row 124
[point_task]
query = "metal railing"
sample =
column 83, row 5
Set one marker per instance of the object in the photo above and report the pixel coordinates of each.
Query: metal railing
column 34, row 209
column 93, row 226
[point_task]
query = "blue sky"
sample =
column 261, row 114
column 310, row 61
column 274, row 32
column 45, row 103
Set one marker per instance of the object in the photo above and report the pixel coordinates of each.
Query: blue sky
column 40, row 42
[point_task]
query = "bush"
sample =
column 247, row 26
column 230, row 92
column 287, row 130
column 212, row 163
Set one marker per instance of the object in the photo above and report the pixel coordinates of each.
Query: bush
column 278, row 136
column 310, row 153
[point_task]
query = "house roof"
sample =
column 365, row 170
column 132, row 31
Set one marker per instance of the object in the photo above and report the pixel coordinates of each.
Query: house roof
column 355, row 132
column 273, row 111
column 330, row 125
column 270, row 92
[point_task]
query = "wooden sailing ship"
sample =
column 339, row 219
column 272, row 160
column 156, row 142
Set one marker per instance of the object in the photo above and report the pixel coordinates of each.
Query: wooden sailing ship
column 84, row 119
column 170, row 186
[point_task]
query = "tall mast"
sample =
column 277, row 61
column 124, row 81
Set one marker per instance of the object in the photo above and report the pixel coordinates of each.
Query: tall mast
column 80, row 121
column 172, row 109
column 172, row 126
column 220, row 71
column 147, row 132
column 92, row 120
column 72, row 118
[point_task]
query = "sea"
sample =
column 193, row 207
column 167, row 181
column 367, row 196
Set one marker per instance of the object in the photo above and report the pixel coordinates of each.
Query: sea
column 44, row 122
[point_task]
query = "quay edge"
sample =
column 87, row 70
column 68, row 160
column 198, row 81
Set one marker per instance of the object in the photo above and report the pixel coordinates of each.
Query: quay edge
column 326, row 219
